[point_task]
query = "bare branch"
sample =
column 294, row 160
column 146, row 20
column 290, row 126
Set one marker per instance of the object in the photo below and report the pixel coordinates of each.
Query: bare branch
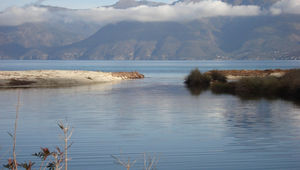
column 15, row 132
column 150, row 162
column 126, row 165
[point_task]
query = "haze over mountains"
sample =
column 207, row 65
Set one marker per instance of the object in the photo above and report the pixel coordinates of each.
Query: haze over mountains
column 139, row 30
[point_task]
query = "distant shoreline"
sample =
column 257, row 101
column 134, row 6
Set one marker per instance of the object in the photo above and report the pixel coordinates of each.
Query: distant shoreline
column 60, row 78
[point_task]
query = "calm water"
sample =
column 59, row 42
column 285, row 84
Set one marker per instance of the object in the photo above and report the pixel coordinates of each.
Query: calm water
column 154, row 115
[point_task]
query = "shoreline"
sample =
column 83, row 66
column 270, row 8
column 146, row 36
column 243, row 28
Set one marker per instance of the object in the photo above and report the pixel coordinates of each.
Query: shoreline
column 61, row 78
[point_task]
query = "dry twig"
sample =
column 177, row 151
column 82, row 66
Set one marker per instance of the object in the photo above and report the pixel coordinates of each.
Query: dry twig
column 125, row 164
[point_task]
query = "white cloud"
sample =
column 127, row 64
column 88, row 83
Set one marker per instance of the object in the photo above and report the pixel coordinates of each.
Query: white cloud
column 286, row 7
column 178, row 12
column 16, row 15
column 103, row 15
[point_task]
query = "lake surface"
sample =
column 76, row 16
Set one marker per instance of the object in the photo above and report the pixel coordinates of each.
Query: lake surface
column 157, row 115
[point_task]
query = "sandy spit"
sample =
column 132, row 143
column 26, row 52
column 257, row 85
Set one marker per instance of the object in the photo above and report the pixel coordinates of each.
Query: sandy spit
column 60, row 78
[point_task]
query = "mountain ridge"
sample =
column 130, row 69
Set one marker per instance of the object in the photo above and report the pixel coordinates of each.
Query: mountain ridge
column 224, row 37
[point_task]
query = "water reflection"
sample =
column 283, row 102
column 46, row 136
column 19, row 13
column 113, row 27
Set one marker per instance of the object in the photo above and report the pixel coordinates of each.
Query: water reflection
column 196, row 91
column 157, row 115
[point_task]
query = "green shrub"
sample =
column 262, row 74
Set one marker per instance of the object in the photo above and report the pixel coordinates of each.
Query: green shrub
column 218, row 76
column 290, row 84
column 270, row 86
column 197, row 79
column 287, row 86
column 219, row 87
column 249, row 87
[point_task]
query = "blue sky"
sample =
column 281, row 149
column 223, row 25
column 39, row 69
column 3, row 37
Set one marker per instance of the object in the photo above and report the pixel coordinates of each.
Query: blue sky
column 76, row 4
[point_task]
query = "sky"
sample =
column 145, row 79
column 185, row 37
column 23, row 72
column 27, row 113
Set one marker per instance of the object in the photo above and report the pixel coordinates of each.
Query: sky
column 73, row 4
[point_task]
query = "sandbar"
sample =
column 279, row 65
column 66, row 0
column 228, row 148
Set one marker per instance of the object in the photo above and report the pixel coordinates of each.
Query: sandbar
column 61, row 78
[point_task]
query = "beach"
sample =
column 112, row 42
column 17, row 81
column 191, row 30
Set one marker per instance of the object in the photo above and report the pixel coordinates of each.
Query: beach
column 61, row 78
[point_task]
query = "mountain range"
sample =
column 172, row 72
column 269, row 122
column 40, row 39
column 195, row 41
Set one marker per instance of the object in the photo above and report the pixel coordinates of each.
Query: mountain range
column 257, row 37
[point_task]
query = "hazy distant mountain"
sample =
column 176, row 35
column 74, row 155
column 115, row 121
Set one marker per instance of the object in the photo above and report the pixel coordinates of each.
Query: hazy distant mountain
column 123, row 4
column 47, row 34
column 251, row 37
column 39, row 35
column 269, row 37
column 29, row 38
column 135, row 40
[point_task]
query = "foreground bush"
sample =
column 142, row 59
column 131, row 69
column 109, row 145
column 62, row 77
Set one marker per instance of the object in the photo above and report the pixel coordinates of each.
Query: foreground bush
column 197, row 79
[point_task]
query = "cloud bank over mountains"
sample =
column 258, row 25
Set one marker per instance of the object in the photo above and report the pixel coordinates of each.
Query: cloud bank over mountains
column 286, row 7
column 180, row 12
column 17, row 15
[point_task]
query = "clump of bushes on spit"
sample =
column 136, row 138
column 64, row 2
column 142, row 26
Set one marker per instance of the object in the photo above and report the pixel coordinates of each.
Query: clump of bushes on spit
column 197, row 79
column 197, row 82
column 290, row 85
column 221, row 87
column 258, row 87
column 216, row 76
column 287, row 86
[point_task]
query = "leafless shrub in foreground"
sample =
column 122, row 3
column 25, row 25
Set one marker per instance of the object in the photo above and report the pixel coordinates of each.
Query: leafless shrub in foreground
column 150, row 162
column 67, row 135
column 27, row 166
column 125, row 164
column 58, row 158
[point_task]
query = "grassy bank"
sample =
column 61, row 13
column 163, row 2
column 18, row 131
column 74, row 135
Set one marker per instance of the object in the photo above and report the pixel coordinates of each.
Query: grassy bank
column 286, row 86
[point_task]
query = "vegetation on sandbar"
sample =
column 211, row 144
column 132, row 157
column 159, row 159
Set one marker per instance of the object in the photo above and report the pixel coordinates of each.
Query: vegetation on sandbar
column 286, row 86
